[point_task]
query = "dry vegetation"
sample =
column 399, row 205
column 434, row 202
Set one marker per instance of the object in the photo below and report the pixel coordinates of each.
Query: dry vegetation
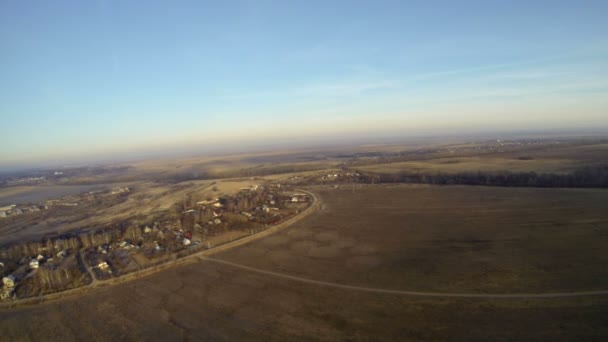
column 556, row 159
column 453, row 238
column 485, row 164
column 467, row 239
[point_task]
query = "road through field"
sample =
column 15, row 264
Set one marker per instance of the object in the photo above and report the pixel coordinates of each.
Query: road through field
column 419, row 263
column 405, row 292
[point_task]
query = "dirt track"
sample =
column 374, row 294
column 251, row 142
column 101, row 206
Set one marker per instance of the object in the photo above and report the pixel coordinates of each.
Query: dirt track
column 318, row 278
column 409, row 293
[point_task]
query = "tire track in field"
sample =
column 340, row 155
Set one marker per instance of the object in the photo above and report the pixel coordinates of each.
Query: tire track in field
column 405, row 292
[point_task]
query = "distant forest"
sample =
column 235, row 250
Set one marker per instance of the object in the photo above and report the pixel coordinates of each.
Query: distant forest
column 586, row 177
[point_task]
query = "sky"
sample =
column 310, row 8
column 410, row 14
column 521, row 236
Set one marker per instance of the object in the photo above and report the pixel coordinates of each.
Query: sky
column 93, row 78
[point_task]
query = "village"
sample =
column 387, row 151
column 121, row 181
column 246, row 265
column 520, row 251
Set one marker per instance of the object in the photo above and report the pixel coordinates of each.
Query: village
column 14, row 210
column 77, row 259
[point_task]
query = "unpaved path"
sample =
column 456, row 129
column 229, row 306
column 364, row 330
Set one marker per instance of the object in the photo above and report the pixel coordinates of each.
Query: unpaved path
column 405, row 292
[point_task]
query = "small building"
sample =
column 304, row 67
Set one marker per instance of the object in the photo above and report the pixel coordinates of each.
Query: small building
column 62, row 254
column 34, row 264
column 217, row 221
column 147, row 230
column 6, row 294
column 8, row 207
column 186, row 242
column 295, row 198
column 8, row 281
column 120, row 190
column 103, row 266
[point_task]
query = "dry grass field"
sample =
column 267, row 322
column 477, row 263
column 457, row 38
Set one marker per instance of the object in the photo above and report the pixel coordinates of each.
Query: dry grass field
column 555, row 159
column 41, row 193
column 425, row 238
column 478, row 163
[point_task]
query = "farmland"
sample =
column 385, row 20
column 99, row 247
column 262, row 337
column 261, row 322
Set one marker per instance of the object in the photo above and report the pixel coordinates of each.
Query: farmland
column 456, row 239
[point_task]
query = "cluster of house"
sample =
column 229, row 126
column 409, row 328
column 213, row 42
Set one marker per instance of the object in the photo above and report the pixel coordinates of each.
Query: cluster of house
column 40, row 259
column 299, row 198
column 13, row 209
column 9, row 282
column 8, row 287
column 335, row 175
column 218, row 210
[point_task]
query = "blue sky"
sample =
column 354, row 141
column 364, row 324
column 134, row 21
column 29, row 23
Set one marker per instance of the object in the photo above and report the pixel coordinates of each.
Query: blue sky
column 93, row 77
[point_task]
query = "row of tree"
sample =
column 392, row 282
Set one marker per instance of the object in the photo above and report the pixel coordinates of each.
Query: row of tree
column 587, row 177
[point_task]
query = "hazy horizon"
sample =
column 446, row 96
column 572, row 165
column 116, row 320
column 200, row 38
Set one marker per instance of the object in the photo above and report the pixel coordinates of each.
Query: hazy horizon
column 110, row 80
column 295, row 145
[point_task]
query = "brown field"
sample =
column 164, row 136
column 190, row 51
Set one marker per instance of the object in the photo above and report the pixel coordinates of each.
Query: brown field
column 478, row 163
column 555, row 159
column 424, row 238
column 41, row 193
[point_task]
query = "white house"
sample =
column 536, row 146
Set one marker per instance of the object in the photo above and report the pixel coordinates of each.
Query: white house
column 34, row 263
column 8, row 281
column 103, row 266
column 6, row 293
column 8, row 207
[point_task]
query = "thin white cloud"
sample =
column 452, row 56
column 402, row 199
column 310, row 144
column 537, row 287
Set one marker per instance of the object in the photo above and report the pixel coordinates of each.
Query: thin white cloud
column 527, row 75
column 323, row 89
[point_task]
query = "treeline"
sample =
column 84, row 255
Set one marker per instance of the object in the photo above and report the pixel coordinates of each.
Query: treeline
column 587, row 177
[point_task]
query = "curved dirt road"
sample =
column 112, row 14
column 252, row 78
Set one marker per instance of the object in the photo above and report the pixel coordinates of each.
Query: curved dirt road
column 408, row 293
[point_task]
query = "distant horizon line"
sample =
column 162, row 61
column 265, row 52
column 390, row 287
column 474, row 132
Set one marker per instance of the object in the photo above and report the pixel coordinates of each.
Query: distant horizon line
column 298, row 144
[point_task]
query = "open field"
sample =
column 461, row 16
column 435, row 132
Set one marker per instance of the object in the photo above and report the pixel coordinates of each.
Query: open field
column 41, row 193
column 485, row 164
column 556, row 159
column 424, row 238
